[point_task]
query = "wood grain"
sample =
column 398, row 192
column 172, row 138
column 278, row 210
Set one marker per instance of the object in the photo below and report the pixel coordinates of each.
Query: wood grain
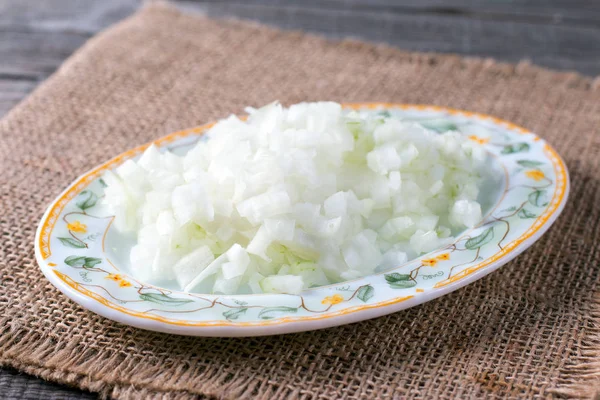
column 541, row 10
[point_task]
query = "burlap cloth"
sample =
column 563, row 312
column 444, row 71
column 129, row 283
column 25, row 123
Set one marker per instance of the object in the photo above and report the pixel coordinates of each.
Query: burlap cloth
column 531, row 329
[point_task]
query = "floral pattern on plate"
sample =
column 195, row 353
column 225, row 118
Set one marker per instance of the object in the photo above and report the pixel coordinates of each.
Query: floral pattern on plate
column 72, row 249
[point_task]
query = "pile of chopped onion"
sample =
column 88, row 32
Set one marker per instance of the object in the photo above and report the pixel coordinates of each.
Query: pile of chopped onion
column 294, row 198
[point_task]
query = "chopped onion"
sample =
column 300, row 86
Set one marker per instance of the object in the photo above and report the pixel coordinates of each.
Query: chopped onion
column 294, row 198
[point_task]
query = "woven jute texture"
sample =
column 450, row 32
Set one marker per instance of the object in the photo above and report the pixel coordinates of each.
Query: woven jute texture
column 531, row 329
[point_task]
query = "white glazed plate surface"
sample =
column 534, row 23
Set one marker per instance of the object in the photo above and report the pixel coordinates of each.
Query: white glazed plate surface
column 84, row 257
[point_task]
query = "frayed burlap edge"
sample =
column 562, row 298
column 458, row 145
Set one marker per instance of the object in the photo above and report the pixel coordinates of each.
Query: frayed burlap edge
column 581, row 378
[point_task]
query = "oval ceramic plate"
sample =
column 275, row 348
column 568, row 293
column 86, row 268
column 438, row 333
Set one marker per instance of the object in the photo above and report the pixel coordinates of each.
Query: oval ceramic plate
column 85, row 258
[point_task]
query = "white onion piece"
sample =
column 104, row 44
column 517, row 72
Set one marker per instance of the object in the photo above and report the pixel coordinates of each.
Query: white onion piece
column 189, row 266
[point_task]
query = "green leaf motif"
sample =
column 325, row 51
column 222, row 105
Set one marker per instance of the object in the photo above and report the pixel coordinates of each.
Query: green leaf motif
column 365, row 293
column 513, row 208
column 75, row 261
column 89, row 201
column 538, row 198
column 82, row 261
column 515, row 148
column 384, row 113
column 91, row 261
column 160, row 298
column 529, row 163
column 524, row 214
column 439, row 126
column 267, row 313
column 70, row 242
column 396, row 277
column 480, row 240
column 234, row 313
column 240, row 302
column 403, row 285
column 102, row 183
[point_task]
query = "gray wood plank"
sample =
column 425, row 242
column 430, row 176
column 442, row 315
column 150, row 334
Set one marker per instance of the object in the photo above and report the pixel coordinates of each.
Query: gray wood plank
column 556, row 46
column 15, row 385
column 577, row 9
column 555, row 11
column 31, row 53
column 28, row 56
column 91, row 14
column 65, row 15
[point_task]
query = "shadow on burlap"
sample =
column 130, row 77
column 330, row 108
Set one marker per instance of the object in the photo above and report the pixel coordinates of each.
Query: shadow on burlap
column 530, row 329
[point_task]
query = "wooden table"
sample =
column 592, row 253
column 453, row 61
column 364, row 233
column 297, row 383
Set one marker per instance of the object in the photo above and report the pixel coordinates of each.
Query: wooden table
column 37, row 36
